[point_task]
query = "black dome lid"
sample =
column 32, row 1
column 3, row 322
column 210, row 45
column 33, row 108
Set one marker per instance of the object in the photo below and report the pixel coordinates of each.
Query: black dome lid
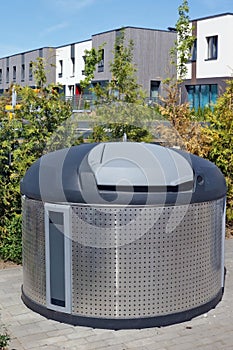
column 123, row 173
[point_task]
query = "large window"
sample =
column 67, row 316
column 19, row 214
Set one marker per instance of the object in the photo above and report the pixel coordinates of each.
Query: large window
column 40, row 52
column 194, row 51
column 73, row 67
column 7, row 74
column 101, row 63
column 212, row 47
column 200, row 96
column 154, row 90
column 60, row 69
column 30, row 75
column 14, row 73
column 22, row 72
column 72, row 57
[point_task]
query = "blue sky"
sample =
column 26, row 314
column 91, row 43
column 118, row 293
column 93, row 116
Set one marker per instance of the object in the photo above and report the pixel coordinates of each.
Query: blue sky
column 30, row 24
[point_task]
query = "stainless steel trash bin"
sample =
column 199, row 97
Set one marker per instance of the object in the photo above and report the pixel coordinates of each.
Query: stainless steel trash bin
column 122, row 235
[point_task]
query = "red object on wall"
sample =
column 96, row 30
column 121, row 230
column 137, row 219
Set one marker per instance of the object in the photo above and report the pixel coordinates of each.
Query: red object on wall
column 77, row 90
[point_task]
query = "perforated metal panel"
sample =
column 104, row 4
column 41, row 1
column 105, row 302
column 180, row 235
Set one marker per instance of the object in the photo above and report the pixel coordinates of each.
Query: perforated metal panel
column 132, row 262
column 34, row 282
column 136, row 262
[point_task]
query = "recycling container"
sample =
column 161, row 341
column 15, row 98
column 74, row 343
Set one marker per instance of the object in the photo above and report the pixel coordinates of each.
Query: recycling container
column 122, row 235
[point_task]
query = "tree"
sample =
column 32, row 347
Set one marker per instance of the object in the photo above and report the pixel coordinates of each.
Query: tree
column 92, row 58
column 38, row 69
column 24, row 136
column 184, row 130
column 221, row 132
column 120, row 107
column 181, row 52
column 123, row 86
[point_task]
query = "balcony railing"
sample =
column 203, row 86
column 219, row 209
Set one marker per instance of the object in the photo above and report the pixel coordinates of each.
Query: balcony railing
column 78, row 102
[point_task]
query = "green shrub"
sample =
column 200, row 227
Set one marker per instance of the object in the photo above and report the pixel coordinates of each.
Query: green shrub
column 11, row 240
column 221, row 133
column 24, row 136
column 4, row 340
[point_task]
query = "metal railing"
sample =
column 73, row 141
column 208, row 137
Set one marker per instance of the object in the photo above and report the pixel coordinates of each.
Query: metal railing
column 87, row 102
column 81, row 102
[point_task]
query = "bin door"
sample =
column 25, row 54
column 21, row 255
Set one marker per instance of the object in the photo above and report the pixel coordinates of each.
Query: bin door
column 58, row 257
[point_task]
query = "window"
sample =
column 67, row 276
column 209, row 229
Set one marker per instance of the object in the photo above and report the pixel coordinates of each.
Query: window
column 7, row 74
column 72, row 51
column 41, row 53
column 22, row 67
column 73, row 66
column 212, row 47
column 201, row 96
column 154, row 90
column 58, row 257
column 72, row 57
column 30, row 71
column 194, row 51
column 60, row 69
column 0, row 75
column 22, row 72
column 22, row 58
column 71, row 90
column 14, row 73
column 101, row 63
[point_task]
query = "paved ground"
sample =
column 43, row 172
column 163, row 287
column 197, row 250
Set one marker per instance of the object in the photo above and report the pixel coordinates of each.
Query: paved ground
column 211, row 331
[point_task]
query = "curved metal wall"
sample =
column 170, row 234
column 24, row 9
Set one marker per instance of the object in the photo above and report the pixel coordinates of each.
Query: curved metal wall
column 132, row 262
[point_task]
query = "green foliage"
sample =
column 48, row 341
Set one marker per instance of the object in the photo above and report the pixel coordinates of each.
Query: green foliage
column 120, row 119
column 38, row 69
column 4, row 339
column 120, row 105
column 92, row 58
column 181, row 52
column 201, row 114
column 184, row 130
column 11, row 240
column 124, row 86
column 25, row 135
column 221, row 133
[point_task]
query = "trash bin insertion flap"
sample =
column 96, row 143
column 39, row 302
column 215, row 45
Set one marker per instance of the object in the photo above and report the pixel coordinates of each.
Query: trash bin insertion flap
column 138, row 164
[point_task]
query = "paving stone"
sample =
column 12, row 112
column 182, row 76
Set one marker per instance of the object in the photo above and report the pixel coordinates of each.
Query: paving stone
column 29, row 330
column 80, row 334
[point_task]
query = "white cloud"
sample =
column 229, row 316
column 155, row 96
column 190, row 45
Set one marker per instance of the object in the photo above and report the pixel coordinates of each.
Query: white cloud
column 73, row 5
column 55, row 27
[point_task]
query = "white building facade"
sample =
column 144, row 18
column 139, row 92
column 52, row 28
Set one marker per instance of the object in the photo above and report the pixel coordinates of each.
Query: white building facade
column 70, row 65
column 211, row 64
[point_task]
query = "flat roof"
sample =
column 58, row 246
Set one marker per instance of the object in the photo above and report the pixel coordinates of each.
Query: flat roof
column 132, row 27
column 213, row 16
column 73, row 43
column 25, row 52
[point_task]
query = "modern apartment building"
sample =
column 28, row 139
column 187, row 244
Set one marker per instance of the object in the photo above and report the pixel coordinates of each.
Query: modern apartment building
column 70, row 65
column 66, row 63
column 209, row 68
column 18, row 68
column 151, row 57
column 212, row 60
